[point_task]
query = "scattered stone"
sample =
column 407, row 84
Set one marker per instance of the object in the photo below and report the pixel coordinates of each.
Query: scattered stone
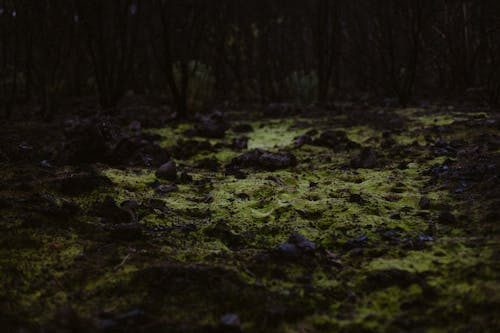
column 167, row 171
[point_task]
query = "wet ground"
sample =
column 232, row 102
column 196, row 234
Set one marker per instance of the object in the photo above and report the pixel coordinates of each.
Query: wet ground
column 359, row 220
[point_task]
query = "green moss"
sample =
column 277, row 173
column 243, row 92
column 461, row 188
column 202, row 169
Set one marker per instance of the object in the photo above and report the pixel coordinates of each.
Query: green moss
column 229, row 225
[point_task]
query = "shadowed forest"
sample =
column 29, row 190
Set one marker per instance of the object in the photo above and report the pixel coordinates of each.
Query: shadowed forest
column 249, row 166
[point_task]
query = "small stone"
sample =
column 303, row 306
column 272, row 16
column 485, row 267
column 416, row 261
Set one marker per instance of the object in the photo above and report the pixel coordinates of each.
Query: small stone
column 167, row 171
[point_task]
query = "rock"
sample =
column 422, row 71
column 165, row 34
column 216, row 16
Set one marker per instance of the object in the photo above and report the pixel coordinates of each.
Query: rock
column 273, row 161
column 337, row 140
column 189, row 148
column 137, row 151
column 263, row 160
column 446, row 217
column 367, row 159
column 110, row 212
column 163, row 189
column 295, row 246
column 213, row 125
column 167, row 171
column 209, row 163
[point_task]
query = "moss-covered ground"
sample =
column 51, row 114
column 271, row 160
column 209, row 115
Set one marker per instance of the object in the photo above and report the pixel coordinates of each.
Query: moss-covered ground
column 383, row 261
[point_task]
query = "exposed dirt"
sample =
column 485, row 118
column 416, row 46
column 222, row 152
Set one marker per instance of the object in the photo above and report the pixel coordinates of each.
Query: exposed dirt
column 367, row 220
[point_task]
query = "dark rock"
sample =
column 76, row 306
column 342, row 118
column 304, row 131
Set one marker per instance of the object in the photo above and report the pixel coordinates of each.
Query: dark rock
column 367, row 159
column 209, row 163
column 134, row 151
column 273, row 161
column 337, row 140
column 167, row 171
column 446, row 217
column 186, row 149
column 110, row 212
column 213, row 125
column 305, row 139
column 295, row 246
column 263, row 160
column 163, row 189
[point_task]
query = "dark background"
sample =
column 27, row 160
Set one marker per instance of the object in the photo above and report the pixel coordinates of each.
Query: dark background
column 197, row 53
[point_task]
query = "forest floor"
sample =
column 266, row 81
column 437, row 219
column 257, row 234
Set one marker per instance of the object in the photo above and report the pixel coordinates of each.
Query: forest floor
column 350, row 220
